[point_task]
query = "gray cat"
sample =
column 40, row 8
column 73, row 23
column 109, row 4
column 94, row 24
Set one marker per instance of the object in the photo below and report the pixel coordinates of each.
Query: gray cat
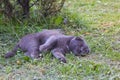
column 50, row 40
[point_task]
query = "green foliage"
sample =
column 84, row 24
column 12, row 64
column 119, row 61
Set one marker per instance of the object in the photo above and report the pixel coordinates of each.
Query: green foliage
column 96, row 20
column 8, row 69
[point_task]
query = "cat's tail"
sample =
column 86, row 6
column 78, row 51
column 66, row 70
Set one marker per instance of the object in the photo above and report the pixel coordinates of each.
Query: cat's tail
column 13, row 52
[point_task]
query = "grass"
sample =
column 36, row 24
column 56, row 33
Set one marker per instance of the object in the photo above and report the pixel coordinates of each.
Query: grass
column 97, row 20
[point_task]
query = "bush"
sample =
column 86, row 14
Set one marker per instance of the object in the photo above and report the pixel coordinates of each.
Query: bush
column 43, row 7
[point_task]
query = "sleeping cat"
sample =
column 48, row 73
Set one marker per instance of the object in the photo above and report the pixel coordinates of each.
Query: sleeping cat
column 50, row 40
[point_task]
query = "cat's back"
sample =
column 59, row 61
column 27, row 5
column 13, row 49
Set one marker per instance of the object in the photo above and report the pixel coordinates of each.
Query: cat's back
column 48, row 33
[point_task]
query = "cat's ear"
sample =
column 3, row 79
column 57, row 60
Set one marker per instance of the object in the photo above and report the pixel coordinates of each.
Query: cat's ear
column 79, row 38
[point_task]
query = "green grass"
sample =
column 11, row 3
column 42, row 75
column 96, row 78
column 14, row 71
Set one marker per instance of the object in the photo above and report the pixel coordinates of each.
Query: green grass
column 97, row 20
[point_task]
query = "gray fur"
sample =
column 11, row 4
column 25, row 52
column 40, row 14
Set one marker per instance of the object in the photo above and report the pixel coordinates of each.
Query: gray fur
column 50, row 40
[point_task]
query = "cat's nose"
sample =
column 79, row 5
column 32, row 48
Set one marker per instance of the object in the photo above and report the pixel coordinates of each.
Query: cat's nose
column 86, row 50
